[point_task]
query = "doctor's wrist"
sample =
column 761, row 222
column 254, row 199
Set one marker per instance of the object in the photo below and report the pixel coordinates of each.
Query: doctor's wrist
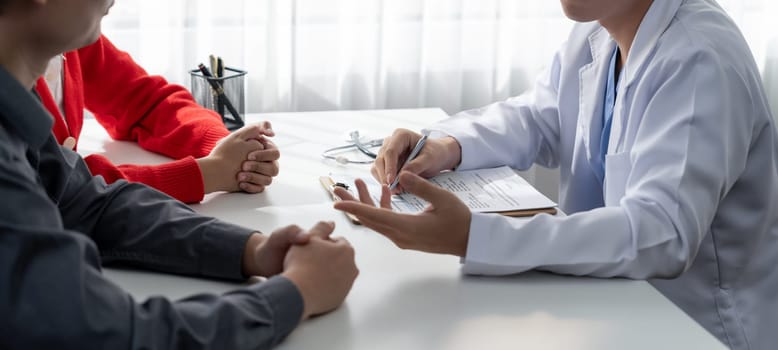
column 453, row 152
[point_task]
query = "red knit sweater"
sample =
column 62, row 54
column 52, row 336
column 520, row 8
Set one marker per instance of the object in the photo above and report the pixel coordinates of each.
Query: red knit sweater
column 134, row 106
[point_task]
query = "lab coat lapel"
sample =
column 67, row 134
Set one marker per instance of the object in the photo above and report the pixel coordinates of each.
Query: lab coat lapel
column 654, row 24
column 592, row 91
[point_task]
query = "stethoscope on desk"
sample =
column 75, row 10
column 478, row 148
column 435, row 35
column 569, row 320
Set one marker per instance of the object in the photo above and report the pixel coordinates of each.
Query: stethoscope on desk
column 354, row 142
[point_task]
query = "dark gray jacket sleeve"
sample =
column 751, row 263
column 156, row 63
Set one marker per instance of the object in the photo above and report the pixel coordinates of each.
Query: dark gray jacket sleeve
column 56, row 222
column 134, row 224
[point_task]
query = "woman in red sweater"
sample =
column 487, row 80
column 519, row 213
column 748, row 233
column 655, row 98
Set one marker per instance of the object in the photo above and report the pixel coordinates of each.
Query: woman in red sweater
column 163, row 118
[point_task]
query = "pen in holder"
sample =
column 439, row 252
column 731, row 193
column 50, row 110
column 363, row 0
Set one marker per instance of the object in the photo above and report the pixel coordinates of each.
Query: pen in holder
column 225, row 94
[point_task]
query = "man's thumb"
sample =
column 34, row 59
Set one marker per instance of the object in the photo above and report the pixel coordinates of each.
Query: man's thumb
column 322, row 229
column 290, row 235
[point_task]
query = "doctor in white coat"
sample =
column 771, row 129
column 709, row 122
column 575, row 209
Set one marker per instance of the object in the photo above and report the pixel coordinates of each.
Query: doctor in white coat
column 655, row 113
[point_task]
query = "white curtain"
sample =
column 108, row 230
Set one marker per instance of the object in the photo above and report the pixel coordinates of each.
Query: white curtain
column 349, row 54
column 364, row 54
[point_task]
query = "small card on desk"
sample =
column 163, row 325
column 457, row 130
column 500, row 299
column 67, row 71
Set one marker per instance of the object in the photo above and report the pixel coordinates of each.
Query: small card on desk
column 496, row 190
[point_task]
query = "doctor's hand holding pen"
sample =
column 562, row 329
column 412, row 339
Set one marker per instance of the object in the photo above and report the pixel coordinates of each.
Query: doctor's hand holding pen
column 246, row 160
column 397, row 153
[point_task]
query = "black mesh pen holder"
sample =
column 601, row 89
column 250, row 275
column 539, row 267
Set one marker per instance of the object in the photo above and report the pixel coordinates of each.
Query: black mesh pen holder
column 232, row 84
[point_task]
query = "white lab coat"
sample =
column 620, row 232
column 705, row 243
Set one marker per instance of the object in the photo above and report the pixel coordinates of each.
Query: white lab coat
column 690, row 200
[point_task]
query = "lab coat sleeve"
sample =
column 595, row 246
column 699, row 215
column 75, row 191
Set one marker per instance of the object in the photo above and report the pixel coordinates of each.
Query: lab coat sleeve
column 687, row 152
column 516, row 132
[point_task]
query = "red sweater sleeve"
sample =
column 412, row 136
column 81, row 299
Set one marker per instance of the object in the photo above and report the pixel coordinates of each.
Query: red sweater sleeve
column 179, row 179
column 132, row 105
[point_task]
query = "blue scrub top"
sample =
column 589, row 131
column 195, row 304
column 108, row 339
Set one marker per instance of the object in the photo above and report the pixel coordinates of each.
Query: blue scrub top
column 611, row 86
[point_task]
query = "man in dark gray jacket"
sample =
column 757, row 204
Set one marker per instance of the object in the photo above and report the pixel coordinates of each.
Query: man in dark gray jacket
column 58, row 224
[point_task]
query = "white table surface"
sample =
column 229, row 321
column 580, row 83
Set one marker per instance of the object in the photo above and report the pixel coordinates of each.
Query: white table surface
column 406, row 299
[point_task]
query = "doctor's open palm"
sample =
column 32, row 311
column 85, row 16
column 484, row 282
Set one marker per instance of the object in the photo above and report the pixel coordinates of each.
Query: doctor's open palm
column 443, row 227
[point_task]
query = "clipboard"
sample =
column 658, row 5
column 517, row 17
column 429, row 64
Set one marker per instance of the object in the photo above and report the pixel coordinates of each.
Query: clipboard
column 329, row 185
column 524, row 213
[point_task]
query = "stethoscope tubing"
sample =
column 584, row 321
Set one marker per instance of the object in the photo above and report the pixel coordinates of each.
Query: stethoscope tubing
column 361, row 146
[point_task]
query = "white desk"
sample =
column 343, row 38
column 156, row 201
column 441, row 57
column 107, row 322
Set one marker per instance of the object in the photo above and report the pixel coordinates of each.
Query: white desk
column 406, row 299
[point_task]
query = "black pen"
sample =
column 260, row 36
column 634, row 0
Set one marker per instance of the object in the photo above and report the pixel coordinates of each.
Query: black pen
column 219, row 67
column 219, row 91
column 219, row 74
